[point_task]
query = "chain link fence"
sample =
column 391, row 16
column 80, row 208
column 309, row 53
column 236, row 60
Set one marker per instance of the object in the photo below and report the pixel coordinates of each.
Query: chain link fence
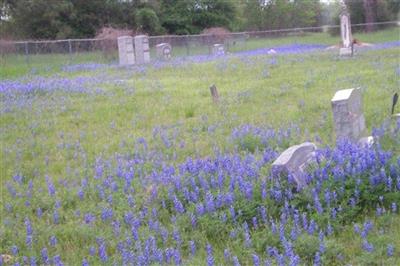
column 105, row 51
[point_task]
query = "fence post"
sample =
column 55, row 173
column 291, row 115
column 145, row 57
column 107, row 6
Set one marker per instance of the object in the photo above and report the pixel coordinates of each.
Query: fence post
column 187, row 45
column 27, row 52
column 70, row 51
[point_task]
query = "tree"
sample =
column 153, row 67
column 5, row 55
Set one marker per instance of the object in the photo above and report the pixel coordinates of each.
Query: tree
column 147, row 20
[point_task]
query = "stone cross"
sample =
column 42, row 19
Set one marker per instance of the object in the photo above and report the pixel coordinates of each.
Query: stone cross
column 345, row 32
column 294, row 162
column 348, row 114
column 163, row 51
column 142, row 50
column 218, row 49
column 126, row 52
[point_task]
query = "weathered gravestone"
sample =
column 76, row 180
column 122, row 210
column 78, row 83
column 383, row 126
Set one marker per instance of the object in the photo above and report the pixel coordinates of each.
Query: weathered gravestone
column 214, row 93
column 125, row 51
column 218, row 49
column 142, row 50
column 348, row 117
column 163, row 51
column 345, row 32
column 294, row 161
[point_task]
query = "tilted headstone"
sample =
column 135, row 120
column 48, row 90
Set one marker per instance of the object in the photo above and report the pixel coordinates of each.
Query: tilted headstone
column 163, row 51
column 126, row 52
column 214, row 93
column 142, row 50
column 345, row 32
column 348, row 114
column 294, row 161
column 218, row 49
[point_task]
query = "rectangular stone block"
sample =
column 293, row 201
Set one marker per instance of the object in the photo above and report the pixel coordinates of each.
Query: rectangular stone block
column 125, row 51
column 142, row 49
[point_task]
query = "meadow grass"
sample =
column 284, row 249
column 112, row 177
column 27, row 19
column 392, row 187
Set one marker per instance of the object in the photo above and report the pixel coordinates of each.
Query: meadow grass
column 61, row 134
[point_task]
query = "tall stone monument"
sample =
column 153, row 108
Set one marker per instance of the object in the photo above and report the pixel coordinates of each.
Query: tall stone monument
column 345, row 32
column 126, row 52
column 142, row 50
column 348, row 116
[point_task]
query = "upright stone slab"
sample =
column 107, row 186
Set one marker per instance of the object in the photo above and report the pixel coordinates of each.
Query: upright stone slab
column 126, row 52
column 163, row 51
column 345, row 32
column 348, row 114
column 142, row 50
column 218, row 49
column 294, row 161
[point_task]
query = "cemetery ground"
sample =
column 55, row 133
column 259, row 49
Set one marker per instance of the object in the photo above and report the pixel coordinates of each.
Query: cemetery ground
column 139, row 166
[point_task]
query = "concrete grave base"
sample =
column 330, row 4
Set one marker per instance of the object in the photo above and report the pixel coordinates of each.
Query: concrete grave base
column 366, row 141
column 345, row 52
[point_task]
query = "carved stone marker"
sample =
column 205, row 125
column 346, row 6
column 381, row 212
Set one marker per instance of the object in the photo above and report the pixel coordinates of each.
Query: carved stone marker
column 294, row 161
column 345, row 32
column 348, row 114
column 142, row 50
column 163, row 51
column 218, row 49
column 214, row 93
column 125, row 51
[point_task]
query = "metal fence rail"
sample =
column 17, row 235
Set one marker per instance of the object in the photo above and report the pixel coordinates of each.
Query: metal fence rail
column 73, row 51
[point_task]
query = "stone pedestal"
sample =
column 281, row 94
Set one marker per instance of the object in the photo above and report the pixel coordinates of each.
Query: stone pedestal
column 345, row 52
column 163, row 51
column 142, row 49
column 125, row 51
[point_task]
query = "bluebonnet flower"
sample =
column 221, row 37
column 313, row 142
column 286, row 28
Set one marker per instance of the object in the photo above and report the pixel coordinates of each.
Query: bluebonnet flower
column 235, row 261
column 390, row 250
column 57, row 260
column 53, row 241
column 210, row 258
column 14, row 250
column 85, row 262
column 33, row 261
column 367, row 246
column 192, row 247
column 227, row 255
column 256, row 260
column 45, row 256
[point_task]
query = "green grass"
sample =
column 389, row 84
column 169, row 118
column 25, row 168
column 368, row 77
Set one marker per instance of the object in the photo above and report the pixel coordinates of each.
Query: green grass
column 43, row 140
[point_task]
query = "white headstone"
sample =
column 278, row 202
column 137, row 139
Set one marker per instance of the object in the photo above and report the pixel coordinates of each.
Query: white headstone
column 294, row 161
column 345, row 32
column 164, row 51
column 142, row 49
column 218, row 49
column 348, row 114
column 126, row 52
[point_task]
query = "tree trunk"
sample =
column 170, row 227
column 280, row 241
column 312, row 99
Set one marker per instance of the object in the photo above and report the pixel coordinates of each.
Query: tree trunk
column 370, row 13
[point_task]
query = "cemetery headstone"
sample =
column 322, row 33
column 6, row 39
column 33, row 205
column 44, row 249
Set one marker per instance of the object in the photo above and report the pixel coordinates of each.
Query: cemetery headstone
column 348, row 116
column 142, row 50
column 218, row 49
column 163, row 51
column 294, row 161
column 126, row 52
column 214, row 93
column 345, row 32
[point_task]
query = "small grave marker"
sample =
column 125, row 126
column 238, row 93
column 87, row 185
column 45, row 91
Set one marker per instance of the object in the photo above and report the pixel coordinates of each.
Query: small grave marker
column 218, row 49
column 164, row 51
column 214, row 93
column 125, row 51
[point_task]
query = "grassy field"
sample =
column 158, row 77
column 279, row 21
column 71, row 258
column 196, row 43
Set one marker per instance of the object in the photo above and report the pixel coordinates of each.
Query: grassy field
column 96, row 159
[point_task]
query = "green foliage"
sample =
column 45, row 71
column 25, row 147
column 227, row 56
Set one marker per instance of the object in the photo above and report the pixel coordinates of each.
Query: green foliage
column 147, row 21
column 306, row 246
